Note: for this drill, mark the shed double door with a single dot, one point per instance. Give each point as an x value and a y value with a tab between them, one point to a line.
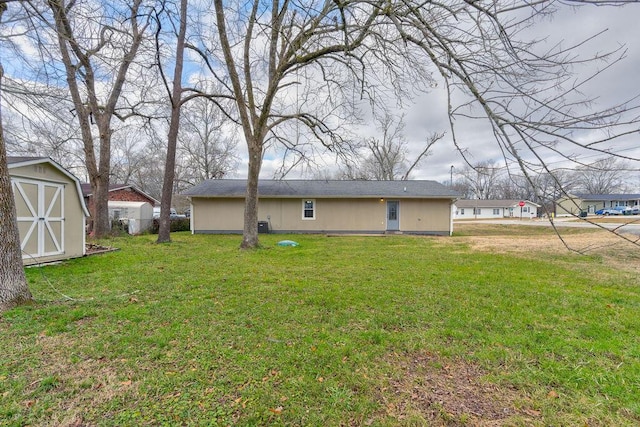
40	214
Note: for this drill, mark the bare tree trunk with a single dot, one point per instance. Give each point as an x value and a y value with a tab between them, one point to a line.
250	232
164	233
13	283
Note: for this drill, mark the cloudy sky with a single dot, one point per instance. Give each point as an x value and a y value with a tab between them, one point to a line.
427	114
570	25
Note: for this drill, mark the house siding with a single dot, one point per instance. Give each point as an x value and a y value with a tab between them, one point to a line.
339	215
572	207
486	210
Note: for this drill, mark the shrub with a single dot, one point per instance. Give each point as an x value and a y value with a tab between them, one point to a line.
177	224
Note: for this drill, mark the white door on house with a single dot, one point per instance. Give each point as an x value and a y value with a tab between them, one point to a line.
40	208
393	215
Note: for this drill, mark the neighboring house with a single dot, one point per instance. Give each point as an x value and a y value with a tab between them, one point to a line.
51	212
484	209
119	193
574	204
325	206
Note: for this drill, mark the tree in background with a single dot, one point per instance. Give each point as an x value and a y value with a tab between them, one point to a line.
387	157
207	147
89	48
44	126
480	181
604	176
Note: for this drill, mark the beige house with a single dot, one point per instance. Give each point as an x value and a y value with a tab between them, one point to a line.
574	204
50	210
325	206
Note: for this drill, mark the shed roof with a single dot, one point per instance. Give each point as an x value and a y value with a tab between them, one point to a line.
324	189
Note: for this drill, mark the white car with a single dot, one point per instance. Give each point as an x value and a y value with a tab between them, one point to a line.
156	212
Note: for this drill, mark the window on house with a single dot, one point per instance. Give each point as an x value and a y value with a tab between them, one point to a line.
525	209
461	211
477	211
496	211
308	209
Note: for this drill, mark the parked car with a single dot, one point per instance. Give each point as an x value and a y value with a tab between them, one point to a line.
631	210
621	209
172	213
608	211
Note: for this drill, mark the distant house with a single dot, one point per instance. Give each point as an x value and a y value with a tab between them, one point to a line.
119	193
325	206
486	209
50	209
574	204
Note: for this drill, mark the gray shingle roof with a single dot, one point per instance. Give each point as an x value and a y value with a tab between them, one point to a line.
323	188
608	196
22	159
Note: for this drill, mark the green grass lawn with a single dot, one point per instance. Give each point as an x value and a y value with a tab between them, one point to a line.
337	331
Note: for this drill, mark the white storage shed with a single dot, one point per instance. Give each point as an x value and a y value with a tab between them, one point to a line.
138	215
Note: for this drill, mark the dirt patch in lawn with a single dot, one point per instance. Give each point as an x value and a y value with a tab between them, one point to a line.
613	250
430	391
75	387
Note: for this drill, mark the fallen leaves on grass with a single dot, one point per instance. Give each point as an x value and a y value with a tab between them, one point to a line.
277	410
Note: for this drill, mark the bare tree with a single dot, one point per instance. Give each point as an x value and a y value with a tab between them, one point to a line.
128	154
207	147
44	126
96	46
270	55
604	176
482	179
526	90
13	283
387	157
